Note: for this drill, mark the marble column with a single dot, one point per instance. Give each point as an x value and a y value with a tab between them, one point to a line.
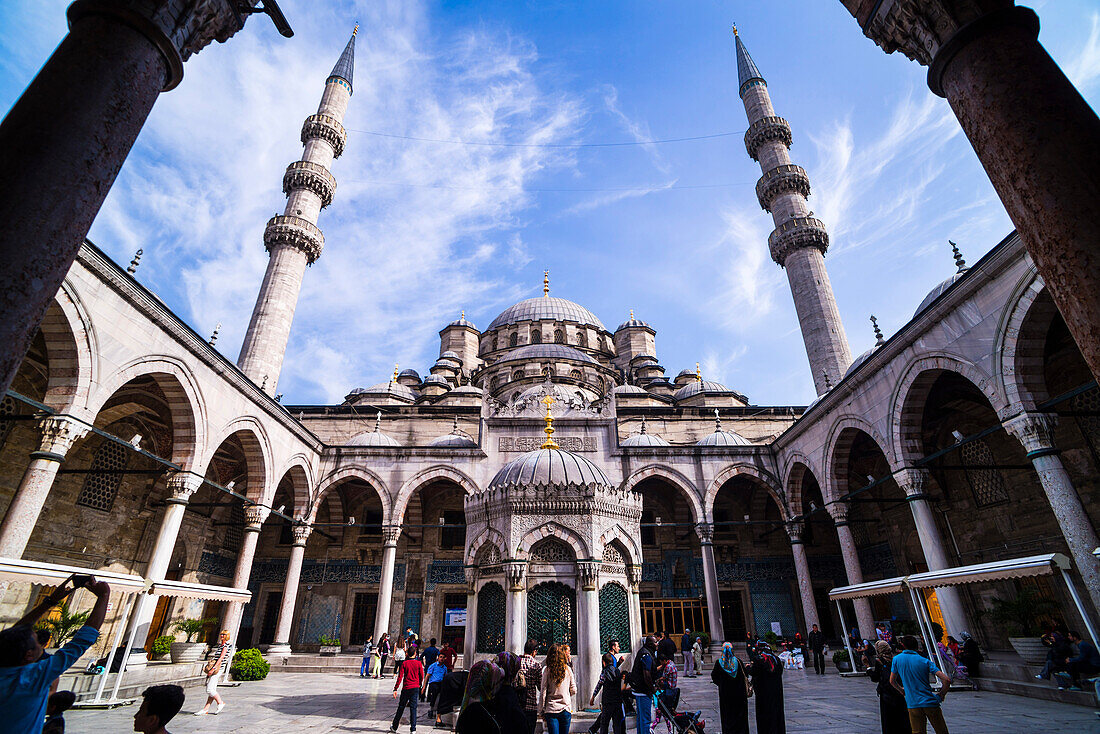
469	640
634	578
1033	132
515	619
589	643
913	482
717	631
1036	432
254	515
865	621
281	644
390	534
58	434
802	574
66	138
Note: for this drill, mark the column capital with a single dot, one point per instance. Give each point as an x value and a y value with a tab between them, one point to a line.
470	572
255	516
589	573
912	481
514	572
301	533
1035	431
58	434
705	531
181	485
634	576
795	529
390	534
838	511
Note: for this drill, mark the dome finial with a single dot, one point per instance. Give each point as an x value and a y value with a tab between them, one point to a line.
378	422
879	341
698	373
546	282
717	421
735	29
642	432
454	426
549	442
463	314
828	382
959	262
355	30
631	314
395	373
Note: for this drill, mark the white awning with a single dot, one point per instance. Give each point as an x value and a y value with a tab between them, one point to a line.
189	590
1015	568
36	572
870	588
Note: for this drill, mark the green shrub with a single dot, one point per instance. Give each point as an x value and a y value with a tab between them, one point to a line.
327	641
771	638
162	646
841	656
63	625
192	627
249	665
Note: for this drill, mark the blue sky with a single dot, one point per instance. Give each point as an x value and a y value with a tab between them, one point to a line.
420	230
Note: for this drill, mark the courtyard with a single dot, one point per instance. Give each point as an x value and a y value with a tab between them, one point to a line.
321	703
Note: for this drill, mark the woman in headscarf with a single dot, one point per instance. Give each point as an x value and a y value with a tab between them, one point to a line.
767	683
476	716
733	692
892	712
971	655
506	706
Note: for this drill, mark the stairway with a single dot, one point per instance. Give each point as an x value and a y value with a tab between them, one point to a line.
1006	672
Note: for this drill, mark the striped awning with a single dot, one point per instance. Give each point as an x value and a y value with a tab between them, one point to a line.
870	588
187	590
37	572
1042	565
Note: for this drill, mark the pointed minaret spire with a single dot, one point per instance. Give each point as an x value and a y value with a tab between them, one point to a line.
960	264
292	239
799	241
879	341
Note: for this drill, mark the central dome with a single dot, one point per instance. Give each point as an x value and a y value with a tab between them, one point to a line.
549	468
546	308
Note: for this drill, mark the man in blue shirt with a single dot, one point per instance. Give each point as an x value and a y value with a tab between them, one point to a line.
909	672
433	678
1085	664
26	675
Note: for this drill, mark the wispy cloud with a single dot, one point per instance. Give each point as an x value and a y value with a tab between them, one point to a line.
614	197
638	129
1084	70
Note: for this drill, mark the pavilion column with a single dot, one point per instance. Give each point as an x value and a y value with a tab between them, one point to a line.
515	619
255	515
59	433
1033	132
634	578
912	482
705	531
469	639
865	621
802	573
588	633
1036	432
281	644
66	137
390	534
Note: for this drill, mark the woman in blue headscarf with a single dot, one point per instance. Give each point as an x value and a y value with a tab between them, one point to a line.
733	692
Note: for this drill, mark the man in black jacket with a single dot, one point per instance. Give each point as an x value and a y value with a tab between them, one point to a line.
666	646
816	642
642	676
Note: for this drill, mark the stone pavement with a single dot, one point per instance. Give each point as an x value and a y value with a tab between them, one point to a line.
322	703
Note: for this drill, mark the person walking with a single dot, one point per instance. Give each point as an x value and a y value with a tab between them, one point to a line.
506	708
383	654
449	656
767	683
909	673
433	679
611	702
410	676
697	655
558	689
213	670
688	655
892	713
642	680
399	654
530	669
475	716
368	650
971	655
816	642
733	692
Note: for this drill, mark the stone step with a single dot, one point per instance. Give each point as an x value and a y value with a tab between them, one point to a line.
1036	689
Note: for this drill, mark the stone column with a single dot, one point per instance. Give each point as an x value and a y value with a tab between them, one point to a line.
255	516
705	531
66	137
865	621
59	433
634	577
469	643
1036	432
1032	131
515	620
802	573
281	643
912	482
588	632
390	534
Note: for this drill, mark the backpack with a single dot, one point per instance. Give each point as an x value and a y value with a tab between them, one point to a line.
637	679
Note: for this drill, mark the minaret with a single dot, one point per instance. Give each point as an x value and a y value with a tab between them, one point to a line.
293	239
799	241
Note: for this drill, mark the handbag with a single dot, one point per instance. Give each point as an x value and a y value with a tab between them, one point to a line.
748	687
211	667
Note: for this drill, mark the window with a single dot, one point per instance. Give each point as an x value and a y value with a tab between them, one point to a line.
363	611
559	336
101	484
453	534
372	523
517	375
234	530
513	340
575	374
649	532
536	337
8	408
986	481
582	338
496	341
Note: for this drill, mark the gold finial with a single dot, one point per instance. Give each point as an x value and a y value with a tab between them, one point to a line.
549	442
545	282
395	365
463	314
735	29
631	314
698	373
355	29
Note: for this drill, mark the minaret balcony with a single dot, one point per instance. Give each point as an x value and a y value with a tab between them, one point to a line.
766	130
326	128
295	232
785	179
795	234
312	176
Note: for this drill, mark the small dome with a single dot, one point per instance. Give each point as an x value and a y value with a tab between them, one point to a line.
860	360
937	292
449	355
722	438
685	373
409	373
467	390
563	394
533	352
436	380
395	389
632	323
546	308
461	321
628	390
455	439
699	386
644	438
549	468
375	437
659	384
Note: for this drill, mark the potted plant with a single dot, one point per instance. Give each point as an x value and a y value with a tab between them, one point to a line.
249	665
162	646
1021	616
329	645
62	625
842	661
188	651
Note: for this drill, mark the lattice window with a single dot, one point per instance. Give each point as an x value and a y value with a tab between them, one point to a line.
536	337
489	555
582	338
513	339
496	342
101	483
234	532
517	375
614	616
8	407
552	615
559	336
1086	411
551	550
611	554
575	374
490	618
986	481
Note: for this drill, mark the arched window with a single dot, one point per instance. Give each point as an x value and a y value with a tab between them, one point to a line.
517	375
582	338
614	616
494	383
536	336
552	615
513	340
559	336
490	618
552	550
575	374
233	533
101	483
496	341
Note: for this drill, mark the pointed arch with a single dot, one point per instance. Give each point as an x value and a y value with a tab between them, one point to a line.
257	453
673	477
618	533
344	474
69	347
425	476
553	530
1021	343
797	471
841	435
763	478
298	475
488	537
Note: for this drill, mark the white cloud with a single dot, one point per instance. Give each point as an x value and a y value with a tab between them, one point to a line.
1085	69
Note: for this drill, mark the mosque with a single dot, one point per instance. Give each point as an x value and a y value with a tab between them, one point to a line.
546	477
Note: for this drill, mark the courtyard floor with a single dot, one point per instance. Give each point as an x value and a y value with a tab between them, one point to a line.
331	702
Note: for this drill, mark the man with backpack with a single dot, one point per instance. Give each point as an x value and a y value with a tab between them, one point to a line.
641	683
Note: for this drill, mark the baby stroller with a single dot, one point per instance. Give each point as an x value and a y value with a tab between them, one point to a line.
665	703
